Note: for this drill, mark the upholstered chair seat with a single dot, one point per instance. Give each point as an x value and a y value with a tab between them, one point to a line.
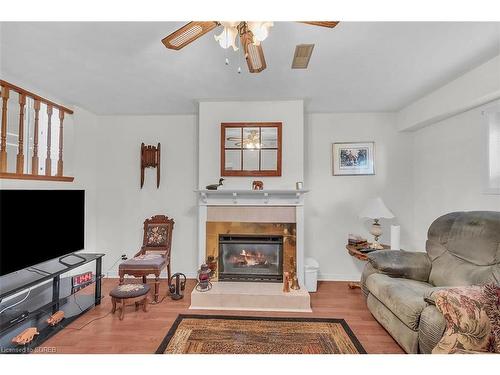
146	261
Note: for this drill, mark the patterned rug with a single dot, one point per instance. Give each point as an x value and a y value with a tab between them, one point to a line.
215	334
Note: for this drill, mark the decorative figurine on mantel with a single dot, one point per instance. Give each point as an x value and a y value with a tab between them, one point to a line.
204	283
293	275
286	282
212	264
215	186
257	185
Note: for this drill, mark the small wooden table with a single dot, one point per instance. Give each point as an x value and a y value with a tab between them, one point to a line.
353	251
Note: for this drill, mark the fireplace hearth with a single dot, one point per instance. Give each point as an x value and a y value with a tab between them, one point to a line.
250	258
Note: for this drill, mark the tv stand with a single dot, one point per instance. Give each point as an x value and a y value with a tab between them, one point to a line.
45	299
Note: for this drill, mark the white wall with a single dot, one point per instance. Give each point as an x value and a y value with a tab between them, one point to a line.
122	206
332	206
290	113
103	153
79	161
474	88
449	162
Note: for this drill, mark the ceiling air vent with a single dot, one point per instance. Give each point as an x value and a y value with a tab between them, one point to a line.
302	56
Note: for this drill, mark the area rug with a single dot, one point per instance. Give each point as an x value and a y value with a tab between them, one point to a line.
217	334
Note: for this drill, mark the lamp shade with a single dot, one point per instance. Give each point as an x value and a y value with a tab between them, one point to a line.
376	209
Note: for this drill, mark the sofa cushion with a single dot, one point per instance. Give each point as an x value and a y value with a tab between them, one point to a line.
468	324
464	248
404	336
448	270
404	297
399	263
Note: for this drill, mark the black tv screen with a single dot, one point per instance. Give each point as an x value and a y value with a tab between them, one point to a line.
38	225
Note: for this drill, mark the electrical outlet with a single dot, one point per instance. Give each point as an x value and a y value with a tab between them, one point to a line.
124	257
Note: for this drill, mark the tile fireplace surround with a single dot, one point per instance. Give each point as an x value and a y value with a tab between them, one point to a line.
248	213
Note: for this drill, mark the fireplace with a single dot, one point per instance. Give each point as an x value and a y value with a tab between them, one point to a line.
250	257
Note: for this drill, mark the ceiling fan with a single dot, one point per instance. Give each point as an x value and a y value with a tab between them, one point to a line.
251	34
252	140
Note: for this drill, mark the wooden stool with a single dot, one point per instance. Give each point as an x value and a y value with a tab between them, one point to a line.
128	293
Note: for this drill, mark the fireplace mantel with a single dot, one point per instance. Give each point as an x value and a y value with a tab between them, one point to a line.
293	199
251	197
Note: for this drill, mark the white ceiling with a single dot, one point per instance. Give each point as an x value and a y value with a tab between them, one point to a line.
123	68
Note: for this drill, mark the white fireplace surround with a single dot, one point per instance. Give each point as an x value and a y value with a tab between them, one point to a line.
253	198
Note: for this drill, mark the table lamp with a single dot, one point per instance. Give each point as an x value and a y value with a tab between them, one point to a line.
376	210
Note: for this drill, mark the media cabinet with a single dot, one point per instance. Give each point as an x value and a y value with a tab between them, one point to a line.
50	290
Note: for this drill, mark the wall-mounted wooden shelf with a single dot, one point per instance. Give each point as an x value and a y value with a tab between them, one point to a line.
18	176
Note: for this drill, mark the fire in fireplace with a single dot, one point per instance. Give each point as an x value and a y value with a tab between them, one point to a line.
250	258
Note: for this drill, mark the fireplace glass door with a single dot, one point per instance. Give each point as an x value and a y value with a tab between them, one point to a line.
250	258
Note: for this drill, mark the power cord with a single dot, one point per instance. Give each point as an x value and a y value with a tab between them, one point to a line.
90	321
157	303
74	299
121	257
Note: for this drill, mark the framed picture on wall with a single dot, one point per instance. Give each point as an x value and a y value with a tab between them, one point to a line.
353	158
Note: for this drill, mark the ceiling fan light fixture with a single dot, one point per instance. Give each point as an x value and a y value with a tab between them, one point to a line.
260	30
255	57
228	36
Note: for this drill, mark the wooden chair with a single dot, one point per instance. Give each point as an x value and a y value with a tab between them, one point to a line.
154	254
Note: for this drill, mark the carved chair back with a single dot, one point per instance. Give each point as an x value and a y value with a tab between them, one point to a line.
158	235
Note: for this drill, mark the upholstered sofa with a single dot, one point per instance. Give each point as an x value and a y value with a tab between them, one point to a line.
463	248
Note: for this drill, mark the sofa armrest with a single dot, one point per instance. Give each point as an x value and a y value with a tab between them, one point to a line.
429	295
397	263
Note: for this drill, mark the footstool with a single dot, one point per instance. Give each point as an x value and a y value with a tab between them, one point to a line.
128	293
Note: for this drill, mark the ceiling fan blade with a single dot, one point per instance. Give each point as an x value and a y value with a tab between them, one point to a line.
330	24
254	54
188	33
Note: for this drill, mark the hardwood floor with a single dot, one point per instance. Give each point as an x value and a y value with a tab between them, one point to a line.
142	332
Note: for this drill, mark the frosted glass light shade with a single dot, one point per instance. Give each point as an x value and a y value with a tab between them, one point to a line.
228	36
260	30
376	209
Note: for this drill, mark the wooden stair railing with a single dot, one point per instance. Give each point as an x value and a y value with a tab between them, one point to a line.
48	160
6	89
34	158
3	136
20	152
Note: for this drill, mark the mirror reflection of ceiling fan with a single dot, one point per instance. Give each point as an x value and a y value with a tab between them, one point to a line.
251	34
251	141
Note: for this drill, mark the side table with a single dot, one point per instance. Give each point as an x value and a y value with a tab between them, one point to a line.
354	252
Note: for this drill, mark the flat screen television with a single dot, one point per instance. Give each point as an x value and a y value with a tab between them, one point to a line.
39	225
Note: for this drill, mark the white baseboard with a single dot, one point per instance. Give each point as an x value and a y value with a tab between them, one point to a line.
337	277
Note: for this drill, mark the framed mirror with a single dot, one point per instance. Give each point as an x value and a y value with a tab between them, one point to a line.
251	149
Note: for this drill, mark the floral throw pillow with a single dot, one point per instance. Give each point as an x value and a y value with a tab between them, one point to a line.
156	236
472	319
